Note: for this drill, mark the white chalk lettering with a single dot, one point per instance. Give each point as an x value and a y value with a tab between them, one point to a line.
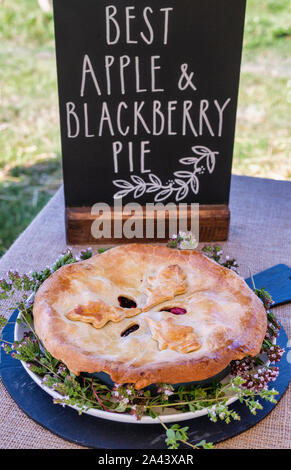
109	60
87	134
155	67
138	117
220	112
111	11
166	23
105	117
204	105
119	127
157	113
128	20
70	107
124	62
144	150
149	26
88	69
137	77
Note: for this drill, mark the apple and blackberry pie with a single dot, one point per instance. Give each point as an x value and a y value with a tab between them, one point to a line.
148	314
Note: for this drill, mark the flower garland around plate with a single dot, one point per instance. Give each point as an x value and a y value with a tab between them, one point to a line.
249	377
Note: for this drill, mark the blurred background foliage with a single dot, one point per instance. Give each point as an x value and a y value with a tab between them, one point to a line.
30	162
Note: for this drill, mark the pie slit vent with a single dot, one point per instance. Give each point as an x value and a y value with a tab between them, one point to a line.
130	329
175	310
125	302
148	314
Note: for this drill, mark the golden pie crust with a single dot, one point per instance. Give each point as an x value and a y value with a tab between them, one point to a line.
78	317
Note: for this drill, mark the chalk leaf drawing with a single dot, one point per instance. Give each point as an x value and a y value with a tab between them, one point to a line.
181	184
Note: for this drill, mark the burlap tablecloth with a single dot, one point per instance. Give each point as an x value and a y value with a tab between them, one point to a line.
260	236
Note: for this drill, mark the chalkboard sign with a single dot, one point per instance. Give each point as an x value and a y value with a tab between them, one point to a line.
148	96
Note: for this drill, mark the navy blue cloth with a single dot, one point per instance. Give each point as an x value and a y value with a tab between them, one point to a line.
277	281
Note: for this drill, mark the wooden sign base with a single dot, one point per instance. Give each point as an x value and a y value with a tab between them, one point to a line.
213	225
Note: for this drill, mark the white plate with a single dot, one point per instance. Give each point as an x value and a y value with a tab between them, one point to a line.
168	417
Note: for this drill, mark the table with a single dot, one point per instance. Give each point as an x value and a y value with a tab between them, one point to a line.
260	236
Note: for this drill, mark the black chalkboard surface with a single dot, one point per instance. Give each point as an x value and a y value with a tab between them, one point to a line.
148	95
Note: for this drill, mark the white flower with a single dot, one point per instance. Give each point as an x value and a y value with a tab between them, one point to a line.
182	234
188	241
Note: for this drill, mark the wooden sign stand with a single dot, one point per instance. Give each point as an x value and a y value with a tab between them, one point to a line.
148	98
214	223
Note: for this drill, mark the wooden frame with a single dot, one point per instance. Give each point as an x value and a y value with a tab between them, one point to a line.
214	223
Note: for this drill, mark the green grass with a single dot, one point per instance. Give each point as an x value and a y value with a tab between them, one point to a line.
22	23
263	134
30	166
268	26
